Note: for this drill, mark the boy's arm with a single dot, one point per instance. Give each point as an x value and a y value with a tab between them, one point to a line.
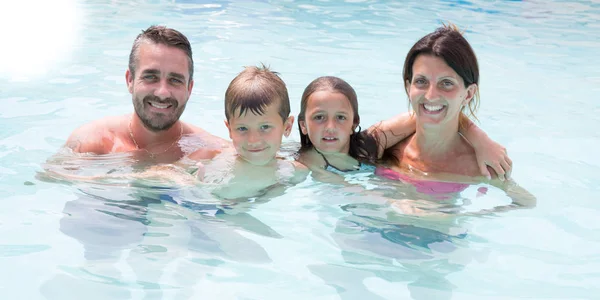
391	131
488	152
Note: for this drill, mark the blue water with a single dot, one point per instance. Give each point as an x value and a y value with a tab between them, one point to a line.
63	64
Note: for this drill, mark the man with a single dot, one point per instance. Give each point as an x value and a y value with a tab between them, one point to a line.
160	80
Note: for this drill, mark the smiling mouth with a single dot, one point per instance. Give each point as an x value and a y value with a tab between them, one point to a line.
256	150
159	105
330	139
433	109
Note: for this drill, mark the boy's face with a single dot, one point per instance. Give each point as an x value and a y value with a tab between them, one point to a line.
257	138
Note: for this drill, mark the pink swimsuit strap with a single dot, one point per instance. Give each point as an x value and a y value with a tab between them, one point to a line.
423	186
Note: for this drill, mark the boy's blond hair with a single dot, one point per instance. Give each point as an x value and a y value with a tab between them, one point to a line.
253	90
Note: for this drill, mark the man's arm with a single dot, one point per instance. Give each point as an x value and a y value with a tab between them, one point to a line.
87	139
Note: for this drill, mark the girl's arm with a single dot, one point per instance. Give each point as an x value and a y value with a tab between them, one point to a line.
390	132
488	152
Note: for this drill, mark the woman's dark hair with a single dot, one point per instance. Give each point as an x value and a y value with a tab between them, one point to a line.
448	43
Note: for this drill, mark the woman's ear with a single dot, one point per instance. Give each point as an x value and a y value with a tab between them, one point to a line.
471	92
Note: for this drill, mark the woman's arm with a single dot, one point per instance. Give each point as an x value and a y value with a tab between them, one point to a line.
520	196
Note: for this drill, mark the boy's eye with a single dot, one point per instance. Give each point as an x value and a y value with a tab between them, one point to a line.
242	129
265	127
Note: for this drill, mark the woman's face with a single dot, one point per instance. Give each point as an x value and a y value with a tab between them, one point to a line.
436	92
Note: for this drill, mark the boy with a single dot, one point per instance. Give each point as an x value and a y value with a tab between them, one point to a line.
257	109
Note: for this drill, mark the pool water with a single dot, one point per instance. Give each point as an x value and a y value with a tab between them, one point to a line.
117	240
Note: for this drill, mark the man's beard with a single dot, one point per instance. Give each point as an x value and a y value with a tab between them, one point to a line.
158	122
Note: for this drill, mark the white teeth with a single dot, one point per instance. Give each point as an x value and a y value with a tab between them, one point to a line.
329	139
430	107
157	105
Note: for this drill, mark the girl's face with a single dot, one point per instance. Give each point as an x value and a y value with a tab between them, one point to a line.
329	121
436	92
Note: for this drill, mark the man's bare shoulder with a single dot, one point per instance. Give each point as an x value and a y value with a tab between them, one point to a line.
97	136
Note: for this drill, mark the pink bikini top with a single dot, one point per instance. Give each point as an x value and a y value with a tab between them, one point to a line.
423	186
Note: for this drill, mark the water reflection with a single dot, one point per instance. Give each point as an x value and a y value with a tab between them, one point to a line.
379	243
148	238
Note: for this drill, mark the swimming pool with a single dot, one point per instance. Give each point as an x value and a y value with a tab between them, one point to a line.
317	241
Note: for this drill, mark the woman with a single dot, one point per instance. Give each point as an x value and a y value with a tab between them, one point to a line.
441	78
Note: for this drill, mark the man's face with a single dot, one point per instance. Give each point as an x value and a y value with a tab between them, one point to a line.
161	85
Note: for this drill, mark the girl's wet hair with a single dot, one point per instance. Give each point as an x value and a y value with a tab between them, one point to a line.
254	89
363	146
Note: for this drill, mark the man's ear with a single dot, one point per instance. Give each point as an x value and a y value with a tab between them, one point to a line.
190	87
287	126
303	128
228	128
129	79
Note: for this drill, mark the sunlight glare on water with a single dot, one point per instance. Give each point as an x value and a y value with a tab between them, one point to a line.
38	34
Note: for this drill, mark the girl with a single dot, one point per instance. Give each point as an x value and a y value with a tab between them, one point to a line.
328	123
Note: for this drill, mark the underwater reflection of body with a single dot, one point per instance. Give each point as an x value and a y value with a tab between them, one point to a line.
146	243
110	223
379	243
142	236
